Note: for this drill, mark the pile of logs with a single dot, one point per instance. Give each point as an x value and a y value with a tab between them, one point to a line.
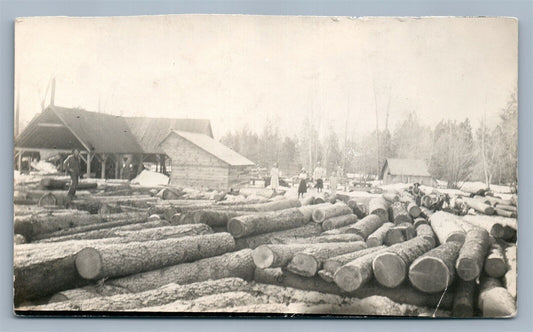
158	252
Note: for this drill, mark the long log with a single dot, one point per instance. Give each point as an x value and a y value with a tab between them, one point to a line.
165	232
472	255
339	221
214	218
479	206
87	292
447	227
279	255
308	210
331	265
494	300
274	206
135	257
163	295
104	233
390	267
434	271
505	213
425	231
378	236
495	200
237	264
321	214
494	228
317	239
366	226
380	207
164	211
34	225
254	241
401	294
495	265
509	279
62	184
463	302
400	214
307	263
265	222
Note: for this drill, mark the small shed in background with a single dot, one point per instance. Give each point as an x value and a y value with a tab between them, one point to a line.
406	171
199	161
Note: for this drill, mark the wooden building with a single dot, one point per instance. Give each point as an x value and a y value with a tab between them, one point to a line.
406	171
199	161
107	142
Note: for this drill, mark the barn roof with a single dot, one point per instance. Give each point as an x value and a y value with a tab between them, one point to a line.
151	131
413	167
214	148
67	128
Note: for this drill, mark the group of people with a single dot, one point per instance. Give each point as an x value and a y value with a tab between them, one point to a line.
319	176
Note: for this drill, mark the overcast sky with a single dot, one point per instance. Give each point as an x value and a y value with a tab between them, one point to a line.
238	70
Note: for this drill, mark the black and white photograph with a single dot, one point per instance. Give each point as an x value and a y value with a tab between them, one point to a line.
280	166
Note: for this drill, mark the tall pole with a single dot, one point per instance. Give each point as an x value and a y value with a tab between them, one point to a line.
377	131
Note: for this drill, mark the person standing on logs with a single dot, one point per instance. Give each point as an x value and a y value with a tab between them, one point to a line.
318	176
71	165
302	188
274	177
417	193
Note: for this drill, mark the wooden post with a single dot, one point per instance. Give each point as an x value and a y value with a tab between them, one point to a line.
89	159
117	166
102	173
20	161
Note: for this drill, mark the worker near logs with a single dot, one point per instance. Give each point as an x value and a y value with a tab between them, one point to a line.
71	165
302	188
274	177
416	192
319	175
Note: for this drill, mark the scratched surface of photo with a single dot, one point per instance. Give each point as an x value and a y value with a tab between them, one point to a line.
266	166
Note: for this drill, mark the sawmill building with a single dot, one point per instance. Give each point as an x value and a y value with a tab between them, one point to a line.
406	171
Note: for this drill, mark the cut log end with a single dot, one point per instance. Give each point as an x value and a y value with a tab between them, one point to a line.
429	274
348	278
495	268
457	237
58	298
263	257
467	269
89	263
236	228
304	265
319	216
389	269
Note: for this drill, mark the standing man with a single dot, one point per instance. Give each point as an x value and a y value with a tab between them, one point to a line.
274	177
319	175
72	166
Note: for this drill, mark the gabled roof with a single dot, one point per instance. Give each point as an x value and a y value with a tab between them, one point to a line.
213	147
413	167
151	131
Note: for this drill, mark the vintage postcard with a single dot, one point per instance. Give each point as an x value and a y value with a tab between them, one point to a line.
266	165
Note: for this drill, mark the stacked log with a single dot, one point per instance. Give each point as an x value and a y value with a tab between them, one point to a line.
479	206
265	222
331	265
317	239
425	231
390	267
255	241
434	271
399	233
472	254
495	265
494	300
357	209
87	292
494	228
463	302
447	227
419	221
339	221
279	255
135	257
380	207
400	214
509	279
307	263
366	226
238	264
321	214
377	238
214	218
273	206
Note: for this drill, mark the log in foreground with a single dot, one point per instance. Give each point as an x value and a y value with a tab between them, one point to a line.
307	263
163	295
366	226
298	233
494	300
87	292
419	221
339	221
399	233
401	294
479	206
447	227
434	271
323	213
378	237
509	279
331	265
380	207
494	228
135	257
495	265
472	255
215	218
463	302
390	267
237	264
356	208
400	214
265	222
279	255
275	206
317	239
425	231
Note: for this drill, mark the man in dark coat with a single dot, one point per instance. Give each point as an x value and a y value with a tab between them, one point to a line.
71	165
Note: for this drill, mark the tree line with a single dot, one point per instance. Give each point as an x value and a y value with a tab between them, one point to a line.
453	151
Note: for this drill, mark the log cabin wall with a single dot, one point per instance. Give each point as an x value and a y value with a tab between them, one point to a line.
194	167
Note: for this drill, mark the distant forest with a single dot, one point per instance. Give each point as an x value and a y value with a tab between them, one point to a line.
453	151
